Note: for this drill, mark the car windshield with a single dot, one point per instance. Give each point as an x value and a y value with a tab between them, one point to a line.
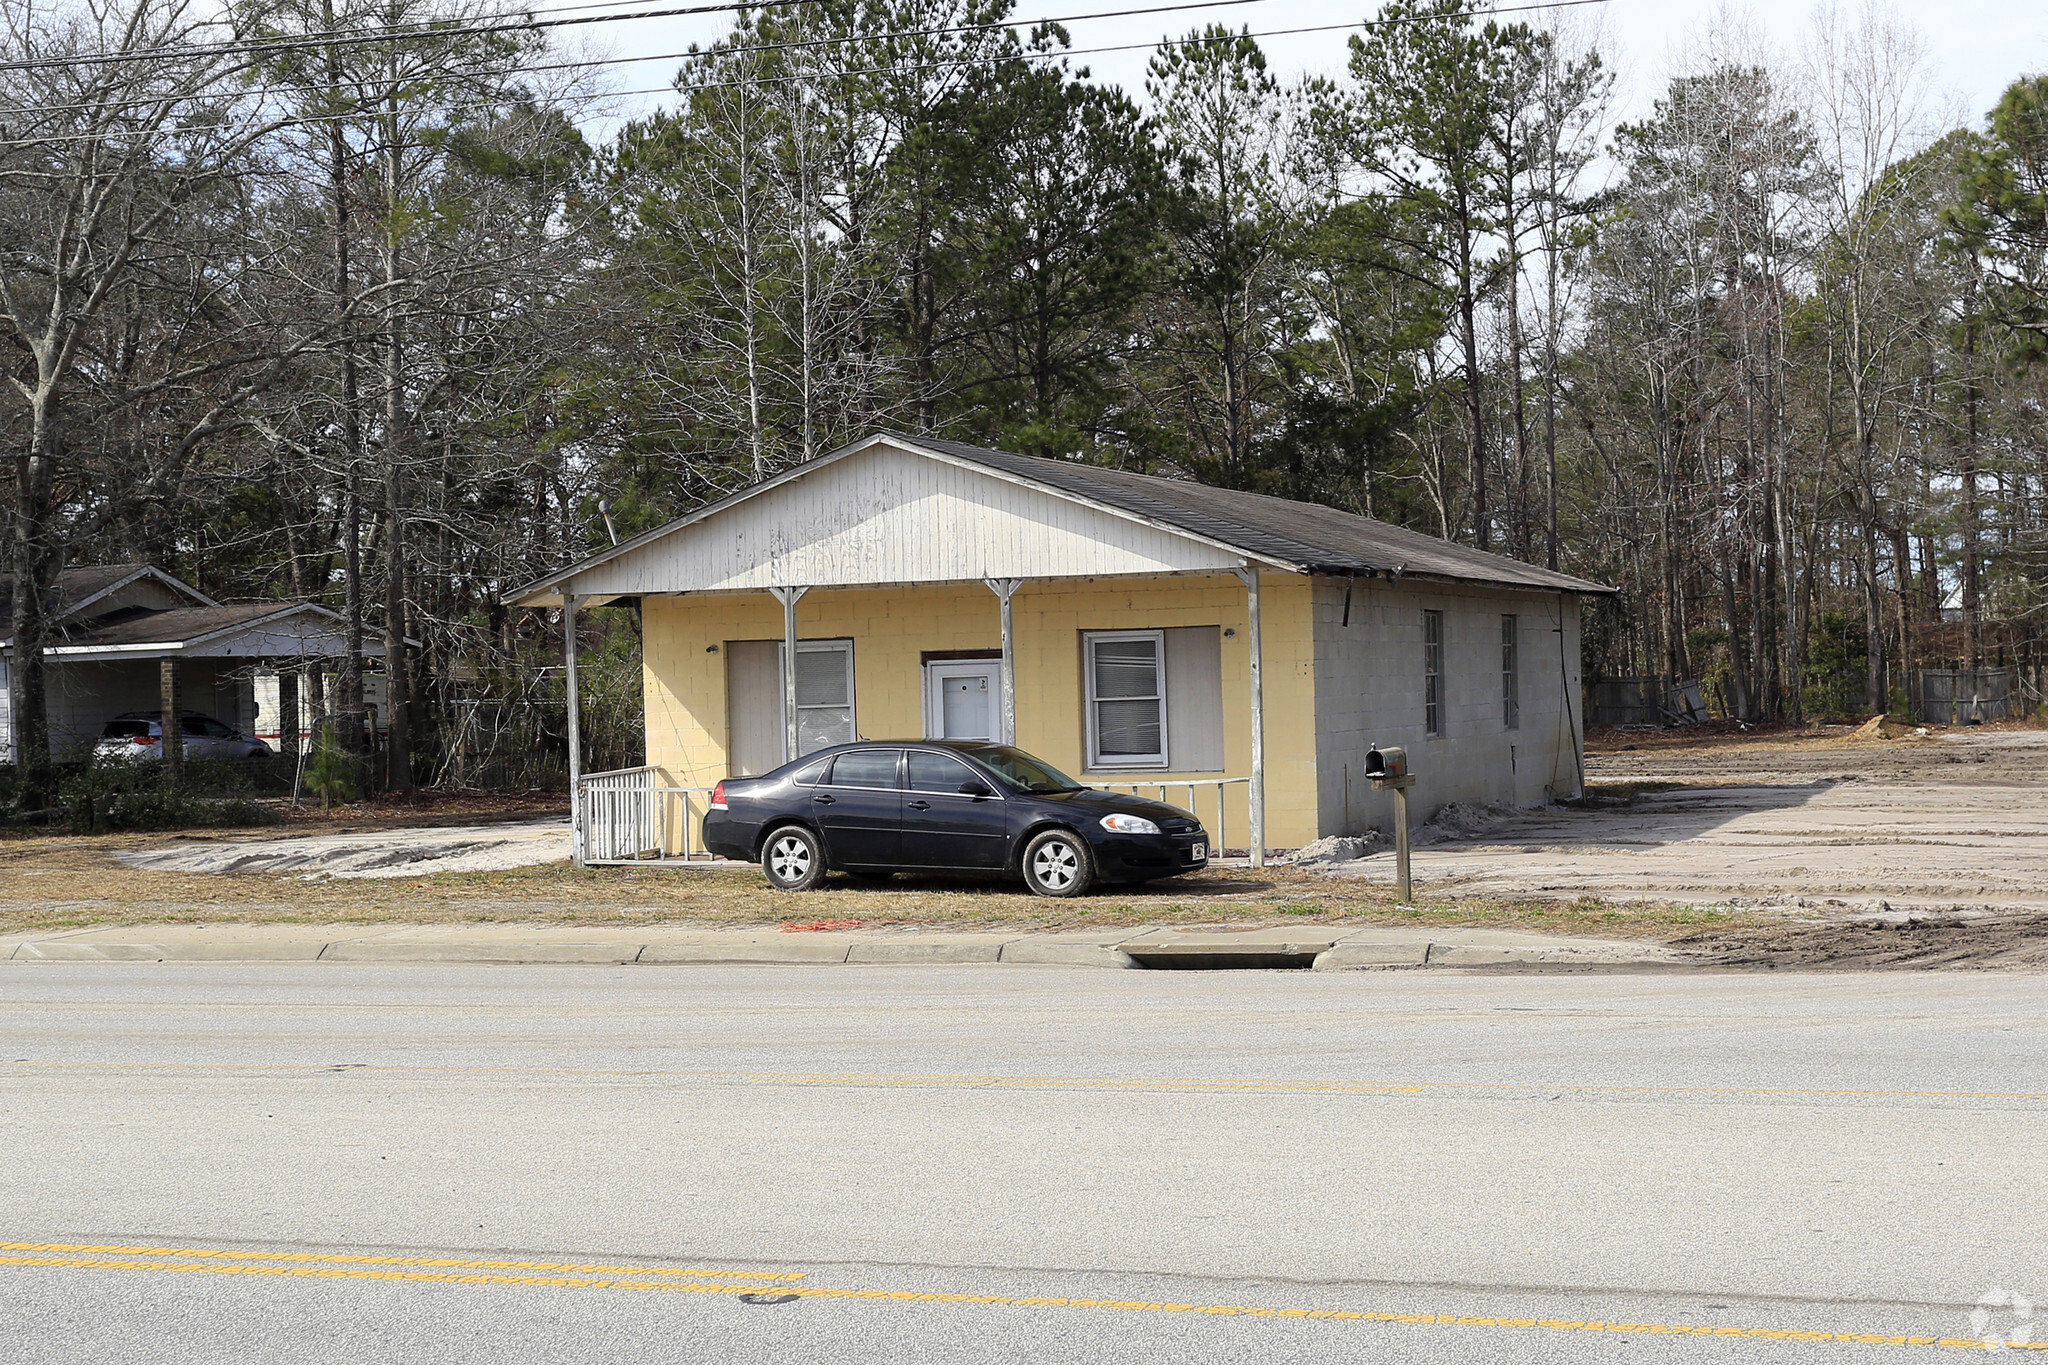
125	729
1025	771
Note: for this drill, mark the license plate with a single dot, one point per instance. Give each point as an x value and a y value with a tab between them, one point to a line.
1198	853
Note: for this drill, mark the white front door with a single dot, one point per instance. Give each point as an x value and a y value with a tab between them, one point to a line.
962	699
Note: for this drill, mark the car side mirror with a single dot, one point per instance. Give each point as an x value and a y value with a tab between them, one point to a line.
973	788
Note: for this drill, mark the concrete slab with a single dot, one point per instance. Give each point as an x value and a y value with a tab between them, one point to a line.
929	949
1559	954
709	948
530	950
175	943
1347	956
1065	952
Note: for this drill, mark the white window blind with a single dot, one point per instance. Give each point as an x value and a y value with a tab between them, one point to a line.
1125	673
824	694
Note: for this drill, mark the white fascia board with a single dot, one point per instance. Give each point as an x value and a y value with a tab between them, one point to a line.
80	651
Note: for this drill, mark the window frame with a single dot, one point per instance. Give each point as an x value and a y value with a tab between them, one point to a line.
910	756
842	644
832	774
1510	672
1432	673
1097	762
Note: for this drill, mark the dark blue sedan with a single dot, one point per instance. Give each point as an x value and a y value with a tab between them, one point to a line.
881	807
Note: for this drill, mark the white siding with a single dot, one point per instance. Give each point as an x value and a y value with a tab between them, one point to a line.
1369	690
887	516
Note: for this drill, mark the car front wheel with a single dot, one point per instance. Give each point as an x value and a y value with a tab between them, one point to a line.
1058	863
793	859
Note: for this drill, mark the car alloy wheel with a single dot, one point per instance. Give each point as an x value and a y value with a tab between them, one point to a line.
1058	864
792	859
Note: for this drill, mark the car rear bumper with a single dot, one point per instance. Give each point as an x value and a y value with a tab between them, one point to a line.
727	837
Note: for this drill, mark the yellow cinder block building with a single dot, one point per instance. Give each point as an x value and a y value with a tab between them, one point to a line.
1237	654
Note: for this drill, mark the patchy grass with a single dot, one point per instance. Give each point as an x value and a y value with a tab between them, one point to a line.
73	882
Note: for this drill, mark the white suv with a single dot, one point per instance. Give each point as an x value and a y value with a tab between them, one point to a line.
138	736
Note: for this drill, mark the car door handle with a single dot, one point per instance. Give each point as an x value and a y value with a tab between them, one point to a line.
920	805
823	800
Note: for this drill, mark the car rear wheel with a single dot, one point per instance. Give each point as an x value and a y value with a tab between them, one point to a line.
1058	863
793	859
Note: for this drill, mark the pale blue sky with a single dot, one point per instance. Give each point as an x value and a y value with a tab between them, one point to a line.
1974	48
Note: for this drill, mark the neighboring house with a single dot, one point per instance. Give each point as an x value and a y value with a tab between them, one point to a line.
907	586
125	635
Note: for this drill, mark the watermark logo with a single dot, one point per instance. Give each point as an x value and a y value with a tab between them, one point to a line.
2003	1319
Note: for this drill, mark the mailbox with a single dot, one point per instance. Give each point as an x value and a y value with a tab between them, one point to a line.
1384	764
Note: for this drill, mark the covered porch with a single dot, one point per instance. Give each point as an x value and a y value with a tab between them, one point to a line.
1161	683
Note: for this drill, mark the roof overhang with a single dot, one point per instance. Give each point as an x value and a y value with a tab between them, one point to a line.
549	591
291	630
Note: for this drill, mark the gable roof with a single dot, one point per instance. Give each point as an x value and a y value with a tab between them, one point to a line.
83	585
1315	538
1297	536
243	630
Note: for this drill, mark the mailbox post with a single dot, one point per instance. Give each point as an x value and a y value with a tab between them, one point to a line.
1388	769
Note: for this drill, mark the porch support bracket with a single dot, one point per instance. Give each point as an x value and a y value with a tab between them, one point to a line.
1248	574
1005	589
789	597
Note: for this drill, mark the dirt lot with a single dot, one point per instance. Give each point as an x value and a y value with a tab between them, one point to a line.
1803	848
1953	821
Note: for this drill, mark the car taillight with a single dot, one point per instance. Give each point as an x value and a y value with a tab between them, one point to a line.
718	797
145	739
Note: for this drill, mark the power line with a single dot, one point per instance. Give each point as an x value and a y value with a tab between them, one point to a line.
312	120
586	63
348	38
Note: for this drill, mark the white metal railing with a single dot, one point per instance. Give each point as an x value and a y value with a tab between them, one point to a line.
1218	842
631	815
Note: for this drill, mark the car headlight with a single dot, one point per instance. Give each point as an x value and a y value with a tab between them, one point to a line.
1128	824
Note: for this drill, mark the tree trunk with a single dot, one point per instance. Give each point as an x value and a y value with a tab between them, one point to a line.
397	448
34	562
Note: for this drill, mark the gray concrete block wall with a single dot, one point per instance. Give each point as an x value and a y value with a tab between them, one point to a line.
1369	689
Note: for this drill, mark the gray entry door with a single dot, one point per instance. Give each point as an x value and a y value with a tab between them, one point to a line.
962	698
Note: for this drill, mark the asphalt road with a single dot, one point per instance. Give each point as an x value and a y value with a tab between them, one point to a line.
361	1164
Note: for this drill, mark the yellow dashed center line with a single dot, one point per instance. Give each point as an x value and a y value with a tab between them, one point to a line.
972	1082
204	1261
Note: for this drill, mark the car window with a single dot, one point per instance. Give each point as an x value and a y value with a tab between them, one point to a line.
1027	772
866	768
124	729
205	728
939	773
809	774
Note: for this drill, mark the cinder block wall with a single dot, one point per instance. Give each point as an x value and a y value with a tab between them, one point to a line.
892	627
1369	689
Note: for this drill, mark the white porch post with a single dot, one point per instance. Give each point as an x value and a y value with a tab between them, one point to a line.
789	597
576	845
1249	576
1005	589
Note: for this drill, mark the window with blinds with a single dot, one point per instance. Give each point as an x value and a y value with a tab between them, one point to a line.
1126	696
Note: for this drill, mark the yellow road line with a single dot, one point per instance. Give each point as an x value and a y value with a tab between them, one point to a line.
1056	1082
339	1259
203	1267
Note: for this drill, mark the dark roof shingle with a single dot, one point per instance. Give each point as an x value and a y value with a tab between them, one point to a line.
1320	539
175	626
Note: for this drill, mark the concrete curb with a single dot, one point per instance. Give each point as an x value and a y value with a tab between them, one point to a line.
1326	948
